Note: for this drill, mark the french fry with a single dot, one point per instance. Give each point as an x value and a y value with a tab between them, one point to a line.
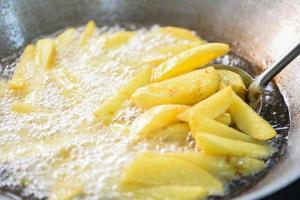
88	31
199	123
211	107
66	37
216	145
45	52
174	133
180	33
189	60
229	78
117	39
154	119
112	105
186	89
247	120
160	170
23	108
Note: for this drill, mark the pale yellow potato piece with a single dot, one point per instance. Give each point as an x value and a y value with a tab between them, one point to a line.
179	33
23	108
229	78
200	123
112	105
247	166
211	107
159	170
224	118
19	80
156	118
247	120
66	37
213	144
189	60
87	33
45	52
186	89
117	39
174	133
216	165
169	192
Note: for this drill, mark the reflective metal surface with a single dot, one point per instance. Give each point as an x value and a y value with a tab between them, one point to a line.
257	30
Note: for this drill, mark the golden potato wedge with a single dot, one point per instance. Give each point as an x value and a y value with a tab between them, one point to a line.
211	107
117	39
174	133
174	192
88	31
224	118
23	108
45	52
23	69
229	78
199	123
246	166
179	33
159	170
216	165
112	105
186	89
214	144
156	118
66	37
189	60
247	120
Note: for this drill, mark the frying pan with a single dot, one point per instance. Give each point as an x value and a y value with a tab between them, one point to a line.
259	31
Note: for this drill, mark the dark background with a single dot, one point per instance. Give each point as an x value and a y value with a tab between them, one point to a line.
291	192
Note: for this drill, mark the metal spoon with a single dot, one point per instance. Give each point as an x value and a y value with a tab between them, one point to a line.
255	86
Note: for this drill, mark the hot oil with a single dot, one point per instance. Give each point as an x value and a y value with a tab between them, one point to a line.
96	155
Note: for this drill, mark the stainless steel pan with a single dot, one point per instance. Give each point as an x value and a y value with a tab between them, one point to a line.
257	30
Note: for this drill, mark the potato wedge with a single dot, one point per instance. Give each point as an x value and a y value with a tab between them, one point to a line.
117	39
199	123
211	107
156	118
229	78
45	52
247	120
174	133
65	38
174	192
186	89
23	69
112	105
189	60
214	144
224	118
179	33
23	108
88	31
247	166
216	165
159	170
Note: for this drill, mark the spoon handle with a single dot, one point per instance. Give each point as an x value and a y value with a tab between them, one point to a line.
264	78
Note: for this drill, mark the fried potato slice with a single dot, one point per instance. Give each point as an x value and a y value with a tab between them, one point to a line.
112	105
229	78
117	39
186	89
200	123
247	166
88	31
156	118
189	60
160	170
174	192
23	108
224	118
174	133
214	144
179	33
45	52
247	120
211	107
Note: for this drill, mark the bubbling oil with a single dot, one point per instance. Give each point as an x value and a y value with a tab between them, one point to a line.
64	140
